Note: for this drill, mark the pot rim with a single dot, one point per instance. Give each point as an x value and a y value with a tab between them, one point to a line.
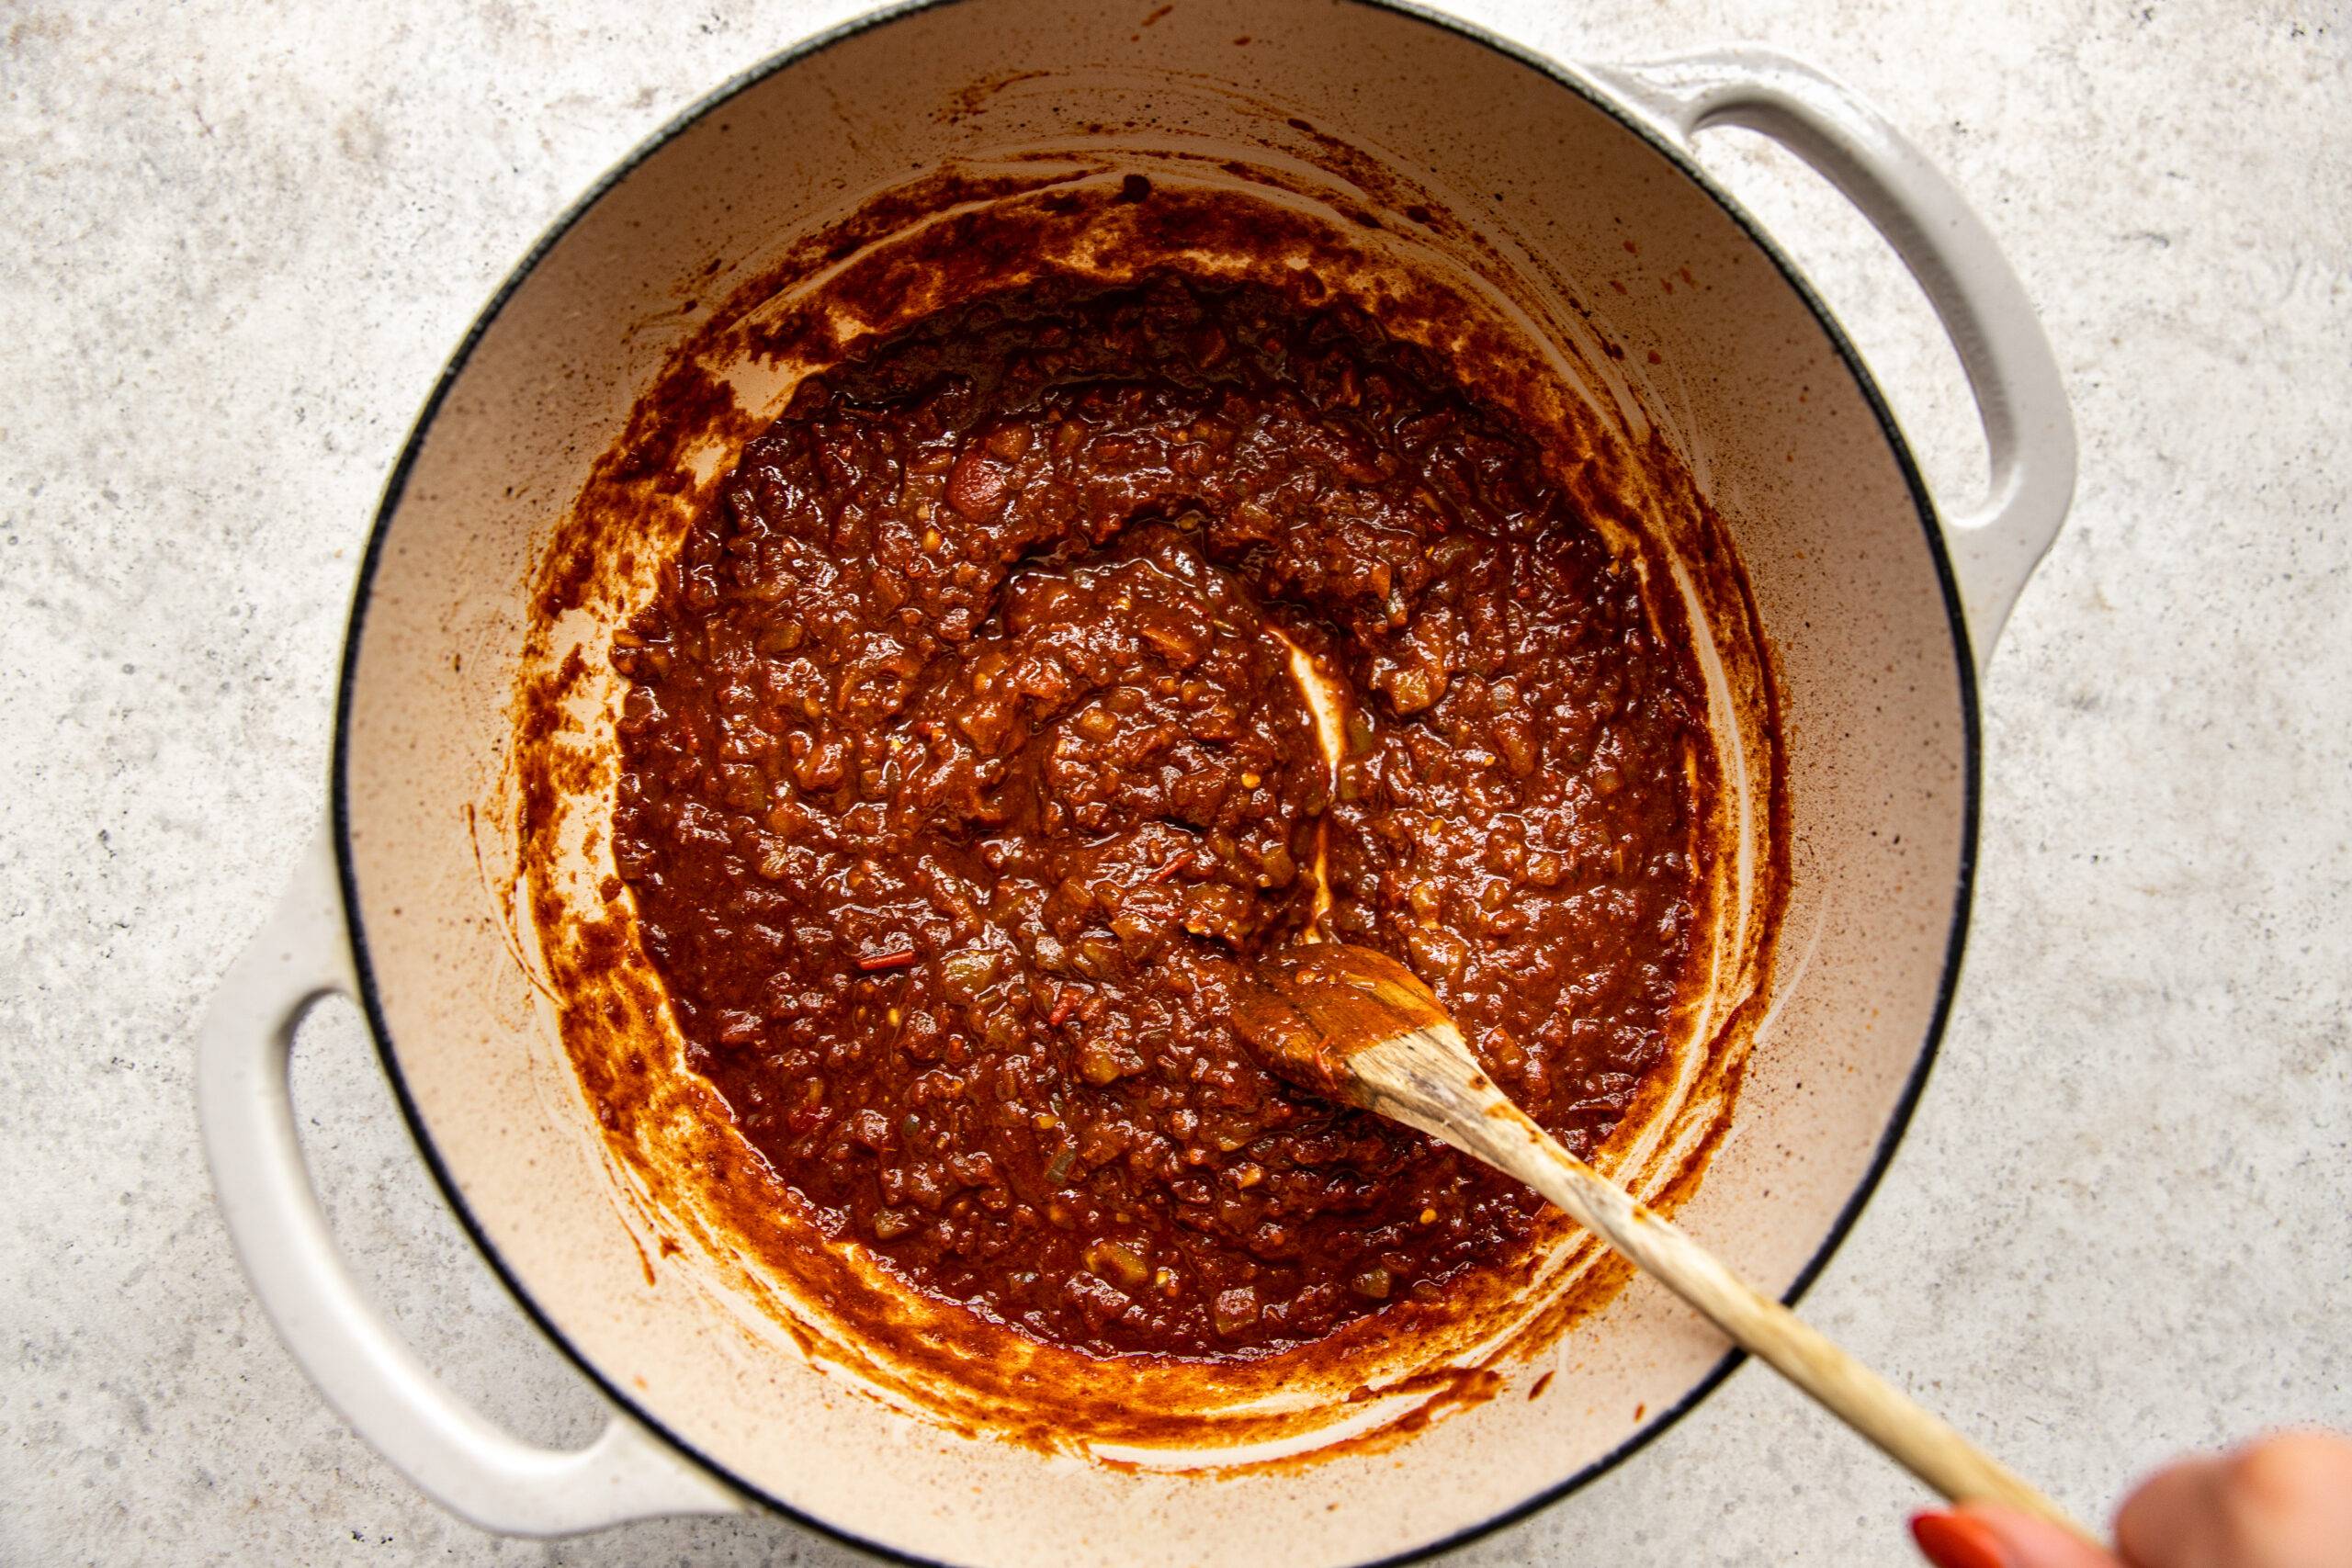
1563	76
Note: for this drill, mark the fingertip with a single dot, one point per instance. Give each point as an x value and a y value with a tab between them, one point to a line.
1950	1540
2025	1541
2175	1503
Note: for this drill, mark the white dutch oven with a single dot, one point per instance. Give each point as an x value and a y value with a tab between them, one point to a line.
1879	613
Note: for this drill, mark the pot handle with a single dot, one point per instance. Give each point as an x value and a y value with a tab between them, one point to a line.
2020	394
456	1456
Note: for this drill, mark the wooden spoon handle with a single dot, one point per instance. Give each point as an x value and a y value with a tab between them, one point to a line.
1913	1437
1355	1025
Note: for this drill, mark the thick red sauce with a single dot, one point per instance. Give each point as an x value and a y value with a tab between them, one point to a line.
965	775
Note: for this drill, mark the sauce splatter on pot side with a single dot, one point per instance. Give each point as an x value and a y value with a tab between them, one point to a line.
738	818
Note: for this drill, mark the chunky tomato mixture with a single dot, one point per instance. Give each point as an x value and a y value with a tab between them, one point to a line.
967	768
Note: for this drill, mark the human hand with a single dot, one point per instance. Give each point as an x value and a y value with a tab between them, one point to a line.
2284	1501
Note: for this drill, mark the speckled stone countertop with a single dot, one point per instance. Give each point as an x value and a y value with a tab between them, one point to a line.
237	241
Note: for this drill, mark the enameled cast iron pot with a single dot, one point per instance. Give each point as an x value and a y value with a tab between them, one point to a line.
1879	613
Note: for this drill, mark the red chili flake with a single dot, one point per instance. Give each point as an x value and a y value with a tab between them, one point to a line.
896	959
1065	1004
1169	870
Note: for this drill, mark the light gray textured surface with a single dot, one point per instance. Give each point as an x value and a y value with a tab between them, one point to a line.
236	242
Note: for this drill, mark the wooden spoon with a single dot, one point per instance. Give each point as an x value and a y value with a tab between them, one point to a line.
1357	1027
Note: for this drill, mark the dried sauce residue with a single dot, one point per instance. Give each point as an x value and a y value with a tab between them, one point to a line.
782	1021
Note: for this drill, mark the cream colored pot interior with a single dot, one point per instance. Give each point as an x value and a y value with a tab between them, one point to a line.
1677	321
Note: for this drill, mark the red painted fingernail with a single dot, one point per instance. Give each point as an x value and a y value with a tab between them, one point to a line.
1955	1540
